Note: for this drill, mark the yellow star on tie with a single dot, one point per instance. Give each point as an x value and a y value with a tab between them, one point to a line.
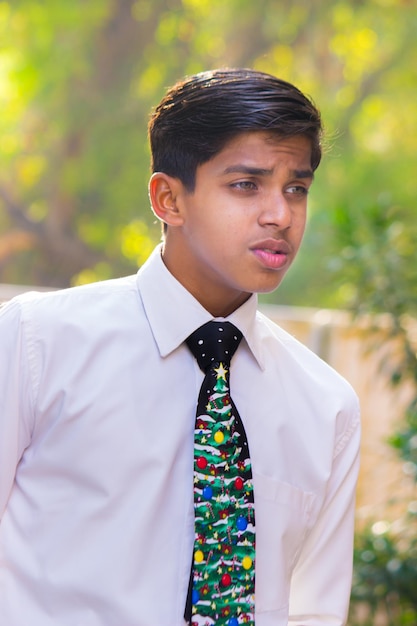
221	371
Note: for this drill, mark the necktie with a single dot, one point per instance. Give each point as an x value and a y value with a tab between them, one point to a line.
222	579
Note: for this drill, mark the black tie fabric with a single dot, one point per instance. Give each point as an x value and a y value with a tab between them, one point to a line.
222	581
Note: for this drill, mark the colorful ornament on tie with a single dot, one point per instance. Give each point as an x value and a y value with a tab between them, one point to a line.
223	577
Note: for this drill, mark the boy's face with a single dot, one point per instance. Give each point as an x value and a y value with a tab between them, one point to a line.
240	229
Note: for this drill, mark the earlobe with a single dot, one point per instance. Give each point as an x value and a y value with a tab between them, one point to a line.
163	195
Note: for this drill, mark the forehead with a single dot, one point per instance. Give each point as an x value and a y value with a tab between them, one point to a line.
263	149
271	139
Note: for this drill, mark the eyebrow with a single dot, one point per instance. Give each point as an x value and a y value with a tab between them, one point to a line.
260	171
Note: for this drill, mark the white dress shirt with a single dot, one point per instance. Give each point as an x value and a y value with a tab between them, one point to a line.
97	404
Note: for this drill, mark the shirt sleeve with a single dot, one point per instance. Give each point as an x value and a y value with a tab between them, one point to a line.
15	396
321	582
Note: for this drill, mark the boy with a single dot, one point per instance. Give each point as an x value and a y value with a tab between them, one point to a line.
98	390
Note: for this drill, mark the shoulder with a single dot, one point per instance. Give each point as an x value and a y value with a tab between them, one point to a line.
71	315
72	328
65	302
299	363
319	396
277	341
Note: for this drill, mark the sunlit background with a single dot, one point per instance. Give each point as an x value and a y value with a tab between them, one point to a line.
77	82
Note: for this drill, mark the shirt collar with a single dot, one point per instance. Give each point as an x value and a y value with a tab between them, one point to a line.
173	313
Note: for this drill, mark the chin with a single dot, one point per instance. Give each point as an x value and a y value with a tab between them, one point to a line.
270	287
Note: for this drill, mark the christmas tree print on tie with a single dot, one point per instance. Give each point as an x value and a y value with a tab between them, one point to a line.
224	556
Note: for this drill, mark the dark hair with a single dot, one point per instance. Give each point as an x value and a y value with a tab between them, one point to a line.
200	114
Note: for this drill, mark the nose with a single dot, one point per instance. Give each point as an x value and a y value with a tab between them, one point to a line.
275	211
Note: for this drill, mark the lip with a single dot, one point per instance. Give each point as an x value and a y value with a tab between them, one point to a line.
272	253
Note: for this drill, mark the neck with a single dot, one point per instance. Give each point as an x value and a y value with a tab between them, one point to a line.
218	299
223	309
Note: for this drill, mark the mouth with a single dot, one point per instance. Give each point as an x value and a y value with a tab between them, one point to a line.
272	253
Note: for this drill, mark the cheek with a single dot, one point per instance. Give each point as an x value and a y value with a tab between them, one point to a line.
299	224
236	220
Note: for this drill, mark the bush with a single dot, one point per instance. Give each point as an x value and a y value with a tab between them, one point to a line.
385	574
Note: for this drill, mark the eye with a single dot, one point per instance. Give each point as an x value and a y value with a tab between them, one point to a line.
244	185
298	190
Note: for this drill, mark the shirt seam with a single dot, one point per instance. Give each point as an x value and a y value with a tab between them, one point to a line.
346	436
28	334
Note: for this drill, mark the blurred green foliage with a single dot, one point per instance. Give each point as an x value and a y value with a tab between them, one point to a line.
384	588
384	585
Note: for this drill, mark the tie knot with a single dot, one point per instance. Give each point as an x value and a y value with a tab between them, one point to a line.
214	342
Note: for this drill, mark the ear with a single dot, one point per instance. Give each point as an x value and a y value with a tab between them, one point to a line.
163	194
